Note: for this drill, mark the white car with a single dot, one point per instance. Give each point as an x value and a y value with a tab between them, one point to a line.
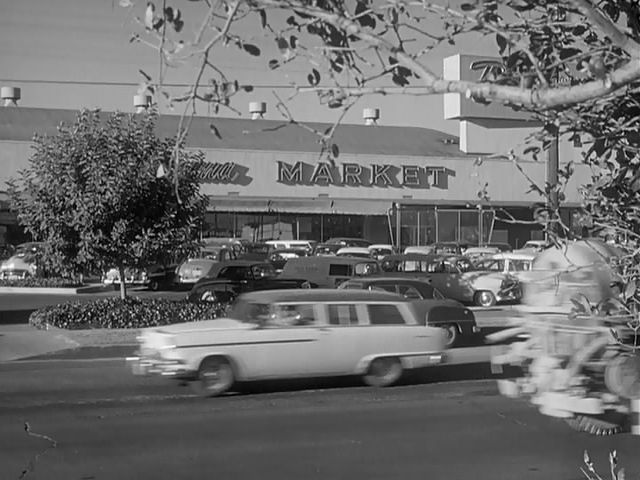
420	249
511	263
23	262
295	333
381	250
360	252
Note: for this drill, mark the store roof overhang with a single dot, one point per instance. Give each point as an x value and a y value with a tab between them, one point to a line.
307	205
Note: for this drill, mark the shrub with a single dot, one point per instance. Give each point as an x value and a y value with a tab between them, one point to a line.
123	313
50	282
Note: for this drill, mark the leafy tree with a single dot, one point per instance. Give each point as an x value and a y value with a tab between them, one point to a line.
96	193
573	64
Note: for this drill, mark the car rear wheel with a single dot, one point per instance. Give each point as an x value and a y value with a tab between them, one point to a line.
484	298
215	377
383	372
452	335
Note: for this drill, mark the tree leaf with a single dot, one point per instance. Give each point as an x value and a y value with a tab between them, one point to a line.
335	151
282	43
251	49
314	77
215	131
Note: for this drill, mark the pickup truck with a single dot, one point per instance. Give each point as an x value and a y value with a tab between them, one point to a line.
229	279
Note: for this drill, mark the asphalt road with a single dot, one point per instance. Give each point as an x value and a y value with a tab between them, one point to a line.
108	424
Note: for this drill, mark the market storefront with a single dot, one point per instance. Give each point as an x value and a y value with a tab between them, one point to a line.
388	184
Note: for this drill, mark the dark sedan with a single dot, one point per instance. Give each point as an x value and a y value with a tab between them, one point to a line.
455	318
227	280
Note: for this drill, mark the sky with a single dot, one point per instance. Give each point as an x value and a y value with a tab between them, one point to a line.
77	54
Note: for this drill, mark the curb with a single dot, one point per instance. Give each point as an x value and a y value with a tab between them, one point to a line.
99	288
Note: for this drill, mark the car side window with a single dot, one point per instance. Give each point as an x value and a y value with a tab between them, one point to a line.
385	314
386	287
339	269
344	315
296	315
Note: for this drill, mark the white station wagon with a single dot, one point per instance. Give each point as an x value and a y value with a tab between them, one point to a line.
293	334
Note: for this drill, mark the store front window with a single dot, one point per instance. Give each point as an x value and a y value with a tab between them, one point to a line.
258	227
424	225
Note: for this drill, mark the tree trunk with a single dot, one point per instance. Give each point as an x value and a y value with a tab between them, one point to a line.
123	283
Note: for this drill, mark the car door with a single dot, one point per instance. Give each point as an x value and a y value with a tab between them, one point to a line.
287	345
357	331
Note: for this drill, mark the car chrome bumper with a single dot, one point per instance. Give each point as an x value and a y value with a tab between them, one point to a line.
165	368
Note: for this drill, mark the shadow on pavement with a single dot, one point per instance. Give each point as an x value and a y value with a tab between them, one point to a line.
449	373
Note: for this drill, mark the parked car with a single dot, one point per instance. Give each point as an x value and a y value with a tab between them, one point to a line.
478	253
325	249
455	248
278	258
329	271
23	263
457	320
193	269
294	334
286	244
456	278
381	250
227	280
348	242
255	251
420	249
502	246
360	252
535	245
513	263
155	277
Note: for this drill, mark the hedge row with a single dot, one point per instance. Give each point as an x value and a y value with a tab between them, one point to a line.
54	282
131	312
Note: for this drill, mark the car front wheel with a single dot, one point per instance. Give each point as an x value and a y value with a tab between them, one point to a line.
215	377
452	335
383	372
484	298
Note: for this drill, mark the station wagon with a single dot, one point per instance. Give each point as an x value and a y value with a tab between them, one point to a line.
293	334
329	271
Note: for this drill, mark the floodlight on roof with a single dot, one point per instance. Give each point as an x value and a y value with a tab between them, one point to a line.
10	96
371	116
257	110
141	103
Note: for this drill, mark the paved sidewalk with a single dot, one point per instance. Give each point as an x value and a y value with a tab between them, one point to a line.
18	342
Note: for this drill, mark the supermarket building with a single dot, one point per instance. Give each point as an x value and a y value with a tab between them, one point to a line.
268	179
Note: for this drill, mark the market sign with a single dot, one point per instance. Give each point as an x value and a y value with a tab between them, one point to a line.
217	172
356	175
